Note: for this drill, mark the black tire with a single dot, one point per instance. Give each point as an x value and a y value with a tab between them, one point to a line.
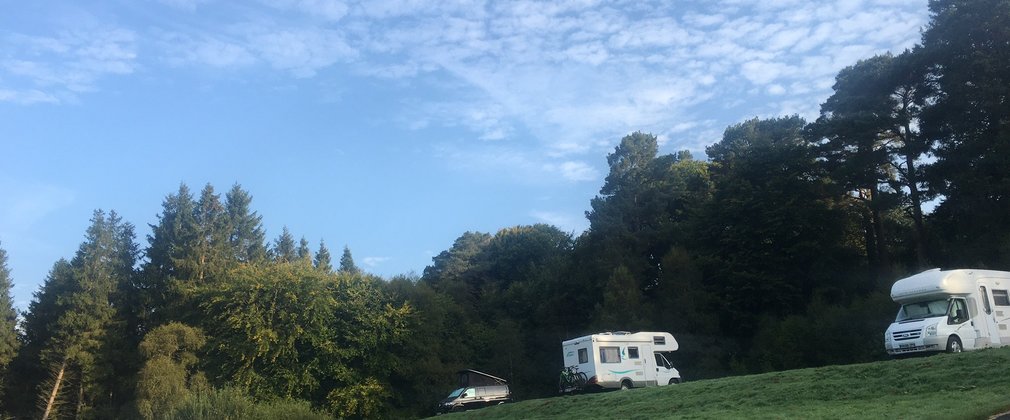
954	345
626	384
674	381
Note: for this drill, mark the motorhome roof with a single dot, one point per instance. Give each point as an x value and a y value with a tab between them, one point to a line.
938	282
668	341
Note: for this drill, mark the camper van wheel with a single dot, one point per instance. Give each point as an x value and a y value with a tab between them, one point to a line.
625	384
954	345
674	381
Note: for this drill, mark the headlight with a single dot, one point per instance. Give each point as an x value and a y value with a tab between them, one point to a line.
887	337
931	330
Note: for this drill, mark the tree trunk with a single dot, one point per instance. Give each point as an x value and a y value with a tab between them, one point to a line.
883	262
913	193
56	390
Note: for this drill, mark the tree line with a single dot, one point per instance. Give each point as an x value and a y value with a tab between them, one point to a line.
776	252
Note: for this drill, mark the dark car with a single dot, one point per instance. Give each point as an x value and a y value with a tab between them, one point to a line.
477	390
475	397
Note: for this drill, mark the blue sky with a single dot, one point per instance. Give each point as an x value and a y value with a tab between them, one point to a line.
391	127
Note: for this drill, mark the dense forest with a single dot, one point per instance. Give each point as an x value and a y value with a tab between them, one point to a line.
776	252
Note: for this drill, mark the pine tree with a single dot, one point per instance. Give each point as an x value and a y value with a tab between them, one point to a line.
304	254
8	320
167	245
247	237
210	252
347	263
284	247
82	342
322	260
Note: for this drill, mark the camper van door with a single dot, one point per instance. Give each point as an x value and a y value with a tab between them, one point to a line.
995	309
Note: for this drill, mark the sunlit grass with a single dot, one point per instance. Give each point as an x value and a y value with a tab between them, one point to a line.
963	386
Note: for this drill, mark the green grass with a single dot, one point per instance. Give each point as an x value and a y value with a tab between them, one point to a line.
971	385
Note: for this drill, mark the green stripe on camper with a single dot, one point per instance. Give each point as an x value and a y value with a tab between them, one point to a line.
622	372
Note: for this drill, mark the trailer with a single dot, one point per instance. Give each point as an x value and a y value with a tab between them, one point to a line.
618	360
950	310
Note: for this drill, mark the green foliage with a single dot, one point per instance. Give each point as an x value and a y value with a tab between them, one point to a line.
290	331
233	403
774	231
247	237
322	259
966	47
167	378
347	263
283	250
8	318
362	400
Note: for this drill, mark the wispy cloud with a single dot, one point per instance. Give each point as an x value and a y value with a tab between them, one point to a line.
46	68
568	222
373	262
574	75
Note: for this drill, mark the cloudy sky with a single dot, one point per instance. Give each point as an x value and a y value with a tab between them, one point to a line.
391	127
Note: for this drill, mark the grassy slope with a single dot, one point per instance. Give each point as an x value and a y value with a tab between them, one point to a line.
960	386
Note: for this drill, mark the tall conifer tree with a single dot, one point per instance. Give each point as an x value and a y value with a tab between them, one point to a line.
322	260
284	247
247	237
347	262
8	320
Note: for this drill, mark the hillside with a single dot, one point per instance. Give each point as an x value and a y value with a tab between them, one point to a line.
962	386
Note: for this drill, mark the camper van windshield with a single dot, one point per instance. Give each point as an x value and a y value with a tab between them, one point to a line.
455	393
920	310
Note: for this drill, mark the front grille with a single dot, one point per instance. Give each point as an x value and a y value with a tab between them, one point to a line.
906	335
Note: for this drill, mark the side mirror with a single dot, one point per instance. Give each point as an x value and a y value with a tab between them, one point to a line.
463	396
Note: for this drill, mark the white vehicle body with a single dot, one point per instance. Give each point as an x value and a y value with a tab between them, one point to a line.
621	359
951	310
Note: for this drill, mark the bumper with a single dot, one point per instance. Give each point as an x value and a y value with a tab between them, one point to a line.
920	345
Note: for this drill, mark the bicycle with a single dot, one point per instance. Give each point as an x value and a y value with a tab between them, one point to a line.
571	380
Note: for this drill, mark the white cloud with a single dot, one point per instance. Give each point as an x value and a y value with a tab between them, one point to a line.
187	5
68	63
578	171
303	52
373	262
26	97
567	222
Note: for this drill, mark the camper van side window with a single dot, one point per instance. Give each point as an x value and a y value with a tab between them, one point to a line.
659	340
1000	297
985	300
583	356
610	355
632	352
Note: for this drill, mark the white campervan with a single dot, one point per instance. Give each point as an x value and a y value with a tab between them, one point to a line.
623	360
951	311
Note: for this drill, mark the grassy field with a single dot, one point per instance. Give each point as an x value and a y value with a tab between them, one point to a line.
971	385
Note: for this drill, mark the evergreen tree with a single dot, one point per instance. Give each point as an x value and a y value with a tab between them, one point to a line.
168	246
47	304
774	232
284	247
966	47
247	237
81	345
347	263
322	259
210	253
304	254
8	321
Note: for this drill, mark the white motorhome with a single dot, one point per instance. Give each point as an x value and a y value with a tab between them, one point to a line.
952	310
622	359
